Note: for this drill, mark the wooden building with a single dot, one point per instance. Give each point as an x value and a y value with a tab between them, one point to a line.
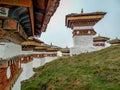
26	18
99	41
114	41
65	51
20	22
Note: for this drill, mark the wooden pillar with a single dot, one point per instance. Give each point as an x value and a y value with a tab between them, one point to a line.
3	78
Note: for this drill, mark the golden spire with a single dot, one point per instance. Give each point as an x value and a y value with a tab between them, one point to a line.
82	10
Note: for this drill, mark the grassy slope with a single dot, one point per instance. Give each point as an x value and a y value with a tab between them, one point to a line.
92	71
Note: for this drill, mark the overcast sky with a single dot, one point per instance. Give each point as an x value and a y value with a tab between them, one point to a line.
60	35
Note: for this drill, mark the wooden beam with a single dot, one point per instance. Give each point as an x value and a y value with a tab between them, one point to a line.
31	17
10	36
23	3
84	18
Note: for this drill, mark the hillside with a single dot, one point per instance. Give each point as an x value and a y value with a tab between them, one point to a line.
91	71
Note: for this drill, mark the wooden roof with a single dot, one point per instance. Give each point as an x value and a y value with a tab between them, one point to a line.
83	19
100	38
32	42
86	14
114	41
48	48
33	15
65	50
40	48
53	48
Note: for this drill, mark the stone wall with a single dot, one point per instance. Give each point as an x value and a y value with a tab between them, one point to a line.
49	59
17	85
9	49
2	50
37	62
27	70
83	41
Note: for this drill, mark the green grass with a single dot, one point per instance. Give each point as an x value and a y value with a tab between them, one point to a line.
98	70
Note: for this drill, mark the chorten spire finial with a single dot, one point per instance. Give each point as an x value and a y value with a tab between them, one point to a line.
66	46
99	34
51	44
82	10
116	37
